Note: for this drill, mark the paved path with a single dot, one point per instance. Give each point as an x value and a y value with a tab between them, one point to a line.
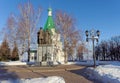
71	73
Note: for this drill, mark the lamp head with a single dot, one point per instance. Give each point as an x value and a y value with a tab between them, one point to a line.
86	32
98	33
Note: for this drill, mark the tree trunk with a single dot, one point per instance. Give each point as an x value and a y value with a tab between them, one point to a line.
65	52
28	51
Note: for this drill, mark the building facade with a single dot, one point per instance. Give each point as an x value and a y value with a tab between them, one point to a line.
49	47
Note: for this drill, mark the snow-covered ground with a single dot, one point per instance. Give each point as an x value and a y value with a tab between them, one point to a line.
12	63
51	79
108	73
86	62
90	62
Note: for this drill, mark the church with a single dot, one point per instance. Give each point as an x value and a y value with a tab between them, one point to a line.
49	47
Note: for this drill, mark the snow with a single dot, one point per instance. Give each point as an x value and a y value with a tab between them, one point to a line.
106	71
90	62
83	62
51	79
12	63
109	73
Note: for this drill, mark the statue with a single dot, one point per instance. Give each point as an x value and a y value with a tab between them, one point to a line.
44	58
47	37
48	56
38	37
44	37
41	36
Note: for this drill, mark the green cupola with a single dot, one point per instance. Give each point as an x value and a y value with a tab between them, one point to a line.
50	23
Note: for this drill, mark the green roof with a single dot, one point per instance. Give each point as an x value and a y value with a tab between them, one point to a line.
50	23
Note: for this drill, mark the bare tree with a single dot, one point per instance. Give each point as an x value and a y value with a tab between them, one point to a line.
110	49
11	30
98	52
69	34
116	47
23	27
27	22
81	49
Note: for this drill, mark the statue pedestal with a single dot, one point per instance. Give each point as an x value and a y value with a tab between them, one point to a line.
45	54
43	63
47	63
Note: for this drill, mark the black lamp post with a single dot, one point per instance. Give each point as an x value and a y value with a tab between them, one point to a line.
93	35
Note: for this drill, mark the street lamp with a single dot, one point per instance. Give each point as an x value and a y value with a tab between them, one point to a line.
93	35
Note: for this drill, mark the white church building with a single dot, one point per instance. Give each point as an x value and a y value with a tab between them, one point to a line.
55	49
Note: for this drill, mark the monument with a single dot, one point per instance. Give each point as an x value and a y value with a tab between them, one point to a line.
49	51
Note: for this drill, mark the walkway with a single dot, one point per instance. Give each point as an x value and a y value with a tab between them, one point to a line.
71	73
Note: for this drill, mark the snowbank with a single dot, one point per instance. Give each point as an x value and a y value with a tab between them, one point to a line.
91	62
106	73
52	79
12	63
84	62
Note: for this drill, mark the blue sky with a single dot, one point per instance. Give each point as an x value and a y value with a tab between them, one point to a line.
98	14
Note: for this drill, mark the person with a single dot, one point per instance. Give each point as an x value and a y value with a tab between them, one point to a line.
49	56
44	58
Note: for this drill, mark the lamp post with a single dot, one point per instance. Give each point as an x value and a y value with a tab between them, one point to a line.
93	35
